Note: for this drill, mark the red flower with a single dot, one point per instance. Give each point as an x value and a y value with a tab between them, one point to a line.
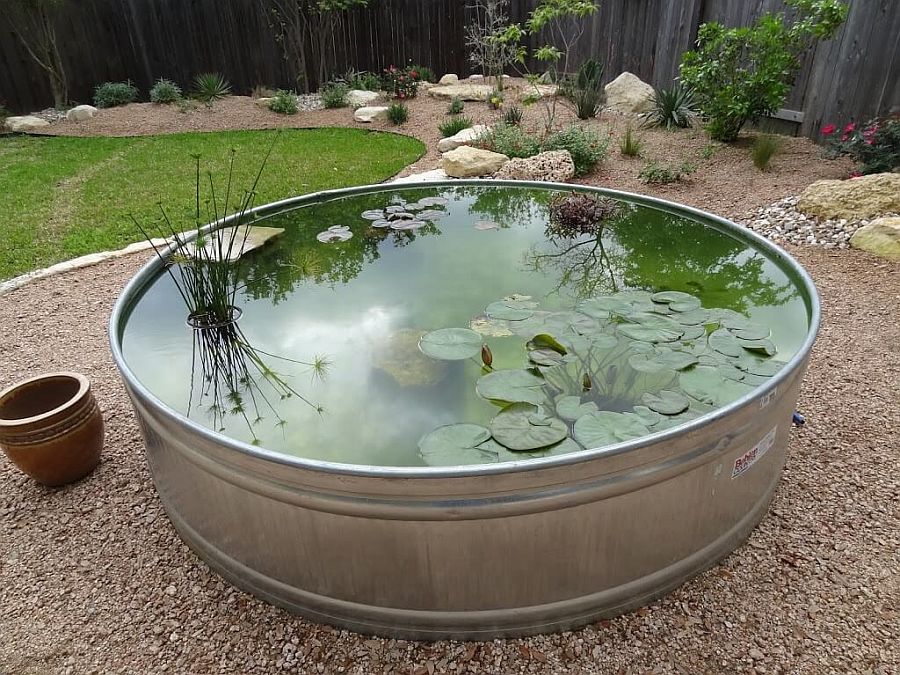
828	129
414	73
850	128
855	174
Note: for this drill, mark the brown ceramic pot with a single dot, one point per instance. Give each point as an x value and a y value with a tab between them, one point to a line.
51	427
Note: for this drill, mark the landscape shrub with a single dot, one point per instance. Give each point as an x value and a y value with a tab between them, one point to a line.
630	145
586	147
454	125
875	145
456	106
585	91
513	116
165	91
398	113
400	82
740	74
284	102
655	173
765	147
361	79
509	140
334	95
112	94
262	91
209	87
495	100
672	108
422	73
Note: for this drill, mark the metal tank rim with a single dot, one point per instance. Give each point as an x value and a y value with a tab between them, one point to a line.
775	253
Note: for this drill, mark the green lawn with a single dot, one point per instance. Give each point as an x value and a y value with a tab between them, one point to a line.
65	197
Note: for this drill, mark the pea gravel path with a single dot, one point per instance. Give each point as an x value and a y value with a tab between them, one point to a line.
93	579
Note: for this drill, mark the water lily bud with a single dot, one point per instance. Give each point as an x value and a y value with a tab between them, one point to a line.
586	382
486	356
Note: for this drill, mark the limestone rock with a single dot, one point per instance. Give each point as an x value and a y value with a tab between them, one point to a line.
247	238
370	113
555	166
863	197
464	137
544	90
881	237
449	78
264	101
26	123
80	113
467	92
629	94
422	177
476	77
467	161
360	98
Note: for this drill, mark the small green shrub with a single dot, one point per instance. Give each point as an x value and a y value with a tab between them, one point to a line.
456	106
334	95
530	99
209	87
672	108
513	116
765	147
663	174
112	94
495	100
708	150
586	147
630	145
585	90
262	91
186	105
398	113
875	145
454	125
165	91
360	79
400	83
740	74
284	102
509	140
422	73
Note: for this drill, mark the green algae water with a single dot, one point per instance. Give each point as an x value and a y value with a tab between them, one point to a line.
591	340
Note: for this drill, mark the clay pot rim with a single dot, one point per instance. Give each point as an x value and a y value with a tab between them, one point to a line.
84	385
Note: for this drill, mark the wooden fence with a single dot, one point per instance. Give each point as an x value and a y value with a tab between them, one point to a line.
856	75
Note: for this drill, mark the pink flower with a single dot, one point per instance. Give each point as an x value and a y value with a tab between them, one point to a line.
828	129
850	128
855	174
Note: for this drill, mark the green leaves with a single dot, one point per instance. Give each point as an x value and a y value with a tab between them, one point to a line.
523	426
455	444
597	429
511	386
666	402
451	344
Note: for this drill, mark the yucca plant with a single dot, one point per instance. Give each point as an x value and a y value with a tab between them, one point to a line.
586	91
513	115
209	87
672	108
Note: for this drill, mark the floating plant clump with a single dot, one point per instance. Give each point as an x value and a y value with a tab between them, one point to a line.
335	233
401	215
614	368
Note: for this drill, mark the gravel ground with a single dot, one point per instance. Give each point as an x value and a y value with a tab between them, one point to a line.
725	181
93	579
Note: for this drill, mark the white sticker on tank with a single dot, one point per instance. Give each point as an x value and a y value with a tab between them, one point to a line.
754	454
768	398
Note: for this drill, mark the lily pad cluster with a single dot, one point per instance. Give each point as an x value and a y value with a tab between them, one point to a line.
614	368
404	215
335	233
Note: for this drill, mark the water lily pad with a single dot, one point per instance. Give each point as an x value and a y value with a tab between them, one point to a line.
570	408
646	363
431	214
729	372
451	344
456	444
508	310
597	429
677	360
707	385
396	208
545	357
521	426
648	417
766	347
335	233
667	297
694	317
693	333
751	331
404	225
381	223
758	366
434	201
487	225
511	386
485	325
602	306
666	402
645	334
725	343
374	214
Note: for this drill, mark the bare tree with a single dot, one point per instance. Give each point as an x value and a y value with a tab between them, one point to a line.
34	24
486	49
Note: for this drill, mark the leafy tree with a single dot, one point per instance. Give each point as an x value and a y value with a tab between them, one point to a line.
740	74
34	24
487	49
302	28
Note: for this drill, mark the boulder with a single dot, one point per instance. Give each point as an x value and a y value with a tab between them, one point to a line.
464	137
370	113
25	123
476	77
466	161
449	78
544	90
863	197
555	166
360	98
629	94
264	101
422	177
467	92
80	113
881	237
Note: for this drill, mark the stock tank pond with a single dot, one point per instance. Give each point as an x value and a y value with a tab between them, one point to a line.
469	409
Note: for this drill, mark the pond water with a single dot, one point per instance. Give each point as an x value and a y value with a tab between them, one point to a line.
622	362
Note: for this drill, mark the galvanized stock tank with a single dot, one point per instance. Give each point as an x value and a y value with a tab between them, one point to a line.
475	552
